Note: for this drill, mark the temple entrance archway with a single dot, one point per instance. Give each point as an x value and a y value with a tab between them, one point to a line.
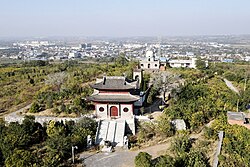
113	111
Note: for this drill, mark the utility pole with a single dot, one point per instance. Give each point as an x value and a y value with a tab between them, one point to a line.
245	84
73	153
238	105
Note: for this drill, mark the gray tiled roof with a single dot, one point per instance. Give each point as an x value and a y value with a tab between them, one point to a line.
113	98
113	83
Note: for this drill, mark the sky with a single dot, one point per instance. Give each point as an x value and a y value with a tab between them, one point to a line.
123	18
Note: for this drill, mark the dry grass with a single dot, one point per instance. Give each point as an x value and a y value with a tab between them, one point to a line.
49	112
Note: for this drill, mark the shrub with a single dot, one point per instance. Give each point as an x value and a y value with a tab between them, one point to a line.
164	161
143	159
35	107
181	144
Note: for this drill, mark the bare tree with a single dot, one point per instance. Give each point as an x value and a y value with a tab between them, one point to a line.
56	79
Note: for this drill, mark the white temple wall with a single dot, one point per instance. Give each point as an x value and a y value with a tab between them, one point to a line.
129	113
104	113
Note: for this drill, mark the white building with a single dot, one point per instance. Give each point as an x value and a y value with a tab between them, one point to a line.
150	62
74	55
247	58
183	63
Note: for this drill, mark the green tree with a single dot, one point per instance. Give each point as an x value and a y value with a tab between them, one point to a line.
20	158
31	81
181	144
79	136
49	102
56	129
146	131
33	129
87	123
13	136
80	130
196	120
121	60
152	94
145	81
165	161
143	159
164	126
197	159
35	107
62	108
58	149
200	64
80	102
29	124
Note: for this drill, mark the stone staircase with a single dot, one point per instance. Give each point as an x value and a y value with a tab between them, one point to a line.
102	132
119	135
112	131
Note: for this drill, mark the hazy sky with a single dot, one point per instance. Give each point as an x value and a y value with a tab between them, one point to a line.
123	17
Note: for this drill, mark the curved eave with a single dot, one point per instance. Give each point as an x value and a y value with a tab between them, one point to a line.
111	88
112	98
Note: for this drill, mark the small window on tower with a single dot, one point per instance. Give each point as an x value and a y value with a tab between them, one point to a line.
101	109
125	109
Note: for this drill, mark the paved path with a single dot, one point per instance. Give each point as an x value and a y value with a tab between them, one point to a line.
198	135
216	159
20	110
231	86
116	159
154	107
121	158
17	117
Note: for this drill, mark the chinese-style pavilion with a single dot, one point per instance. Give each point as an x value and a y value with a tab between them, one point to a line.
112	97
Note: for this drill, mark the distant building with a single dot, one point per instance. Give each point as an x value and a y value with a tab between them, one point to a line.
227	60
34	43
74	55
86	46
238	118
150	62
247	58
183	63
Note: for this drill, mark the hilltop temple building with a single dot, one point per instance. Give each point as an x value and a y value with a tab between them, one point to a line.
113	99
116	101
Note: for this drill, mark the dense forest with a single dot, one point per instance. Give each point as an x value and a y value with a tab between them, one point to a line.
31	144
